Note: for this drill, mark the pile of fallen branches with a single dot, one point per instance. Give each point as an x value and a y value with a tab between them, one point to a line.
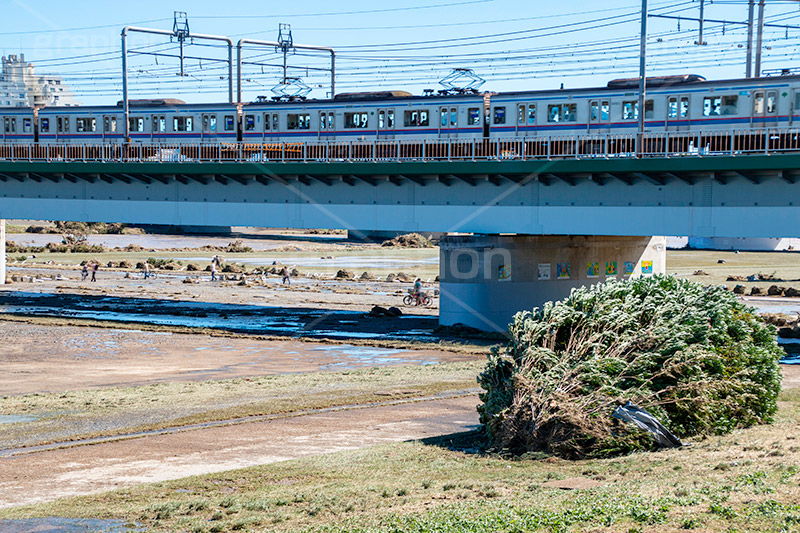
694	356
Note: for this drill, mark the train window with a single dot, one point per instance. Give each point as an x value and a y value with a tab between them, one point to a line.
85	125
298	121
499	115
453	116
7	125
605	111
532	114
228	123
772	102
630	110
594	111
109	124
562	113
160	124
355	120
520	114
758	104
390	119
249	122
63	124
416	118
672	108
474	116
443	113
26	125
275	123
44	125
720	105
136	124
331	121
323	120
213	121
182	124
381	120
684	107
797	101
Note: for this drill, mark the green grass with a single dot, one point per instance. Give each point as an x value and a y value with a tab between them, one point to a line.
445	484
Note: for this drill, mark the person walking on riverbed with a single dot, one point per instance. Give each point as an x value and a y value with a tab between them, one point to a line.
287	280
95	266
85	272
214	269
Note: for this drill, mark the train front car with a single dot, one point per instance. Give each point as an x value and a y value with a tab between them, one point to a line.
375	124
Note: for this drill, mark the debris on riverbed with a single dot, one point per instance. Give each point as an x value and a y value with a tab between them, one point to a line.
411	240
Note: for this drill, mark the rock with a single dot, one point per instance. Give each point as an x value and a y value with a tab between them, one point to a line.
172	265
756	291
390	278
774	290
189	281
792	292
721	262
139	265
405	278
380	311
345	274
366	276
739	289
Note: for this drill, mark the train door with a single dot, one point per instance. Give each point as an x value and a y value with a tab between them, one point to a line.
526	120
109	127
62	128
386	124
599	116
448	122
765	109
327	125
158	133
678	113
208	127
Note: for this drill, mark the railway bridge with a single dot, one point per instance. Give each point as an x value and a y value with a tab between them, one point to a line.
529	219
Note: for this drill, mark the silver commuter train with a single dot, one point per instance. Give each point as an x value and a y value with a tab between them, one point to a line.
674	103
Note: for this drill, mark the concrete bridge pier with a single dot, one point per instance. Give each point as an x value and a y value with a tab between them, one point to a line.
486	279
2	251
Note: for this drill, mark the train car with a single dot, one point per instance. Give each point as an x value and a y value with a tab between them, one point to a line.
158	121
383	115
673	103
17	125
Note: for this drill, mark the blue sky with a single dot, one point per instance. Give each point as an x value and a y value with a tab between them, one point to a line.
407	44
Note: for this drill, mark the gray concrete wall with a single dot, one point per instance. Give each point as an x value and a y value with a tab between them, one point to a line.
486	279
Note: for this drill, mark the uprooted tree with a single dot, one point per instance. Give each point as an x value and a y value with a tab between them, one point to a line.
694	356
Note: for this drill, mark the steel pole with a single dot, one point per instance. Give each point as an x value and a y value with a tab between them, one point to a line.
2	252
125	107
642	68
759	37
749	69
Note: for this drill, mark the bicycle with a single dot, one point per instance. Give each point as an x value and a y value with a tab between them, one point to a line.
411	299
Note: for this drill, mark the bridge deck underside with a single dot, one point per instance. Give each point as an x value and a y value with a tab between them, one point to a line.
744	196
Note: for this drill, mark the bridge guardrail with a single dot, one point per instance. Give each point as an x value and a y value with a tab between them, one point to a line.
648	145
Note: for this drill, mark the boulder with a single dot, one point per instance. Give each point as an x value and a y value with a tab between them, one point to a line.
739	289
756	291
345	274
774	290
792	292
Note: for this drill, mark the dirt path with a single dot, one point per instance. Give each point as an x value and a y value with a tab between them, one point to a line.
46	476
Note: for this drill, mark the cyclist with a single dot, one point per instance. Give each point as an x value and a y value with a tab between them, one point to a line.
417	291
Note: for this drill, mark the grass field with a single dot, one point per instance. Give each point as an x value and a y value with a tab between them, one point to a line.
747	481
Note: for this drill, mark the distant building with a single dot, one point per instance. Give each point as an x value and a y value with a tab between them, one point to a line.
20	87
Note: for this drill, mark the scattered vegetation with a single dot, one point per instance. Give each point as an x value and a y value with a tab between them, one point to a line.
694	356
